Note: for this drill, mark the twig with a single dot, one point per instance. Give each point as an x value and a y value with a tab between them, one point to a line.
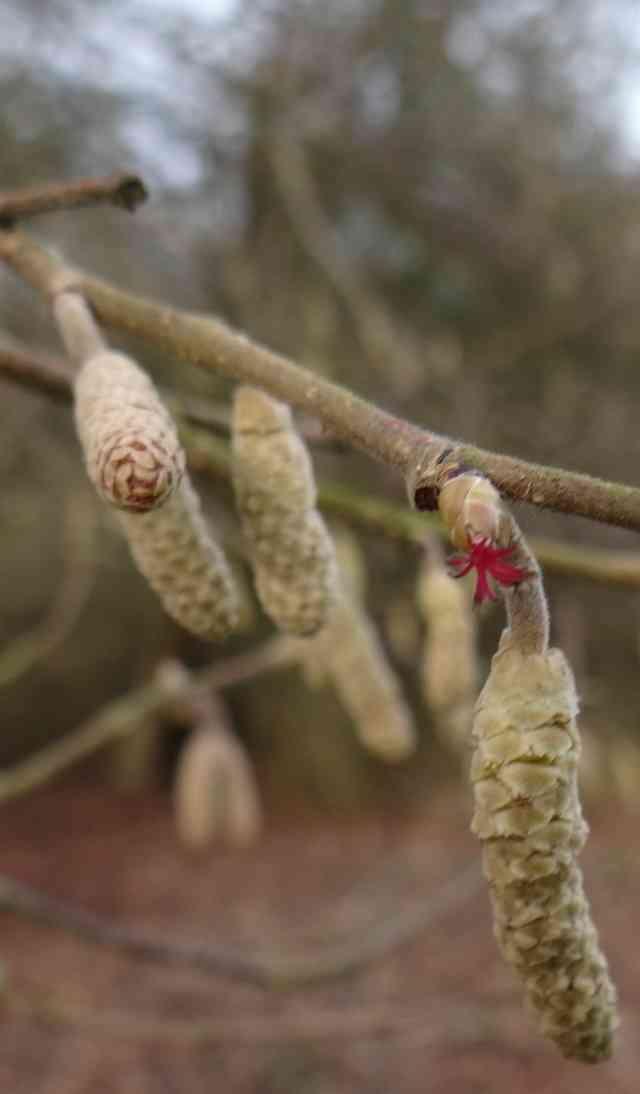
210	344
462	1022
19	655
209	454
123	716
270	969
124	190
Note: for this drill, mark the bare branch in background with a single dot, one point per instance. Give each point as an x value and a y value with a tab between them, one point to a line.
268	968
124	190
20	654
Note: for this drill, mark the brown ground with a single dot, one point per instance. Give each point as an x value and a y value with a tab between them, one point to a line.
440	1015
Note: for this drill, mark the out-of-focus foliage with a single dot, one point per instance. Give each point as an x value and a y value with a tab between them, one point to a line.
431	202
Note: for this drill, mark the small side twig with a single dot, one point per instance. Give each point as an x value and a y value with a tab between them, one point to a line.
124	190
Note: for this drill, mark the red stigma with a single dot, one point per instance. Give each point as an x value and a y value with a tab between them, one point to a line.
489	561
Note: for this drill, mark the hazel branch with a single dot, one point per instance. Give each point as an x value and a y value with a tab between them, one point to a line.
124	190
212	345
209	455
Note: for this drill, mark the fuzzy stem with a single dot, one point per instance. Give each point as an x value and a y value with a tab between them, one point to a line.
526	603
78	329
212	345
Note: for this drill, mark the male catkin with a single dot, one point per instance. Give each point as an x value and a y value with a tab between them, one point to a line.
136	462
291	550
528	815
215	794
173	548
131	446
449	667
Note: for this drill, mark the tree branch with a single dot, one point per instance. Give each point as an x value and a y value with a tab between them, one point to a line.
210	344
124	190
271	969
122	717
209	455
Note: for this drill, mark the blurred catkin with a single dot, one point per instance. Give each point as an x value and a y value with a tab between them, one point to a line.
291	550
528	815
132	452
348	652
215	794
135	460
173	548
449	666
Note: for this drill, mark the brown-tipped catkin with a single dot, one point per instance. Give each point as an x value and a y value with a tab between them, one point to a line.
291	550
131	446
449	669
215	794
528	815
173	548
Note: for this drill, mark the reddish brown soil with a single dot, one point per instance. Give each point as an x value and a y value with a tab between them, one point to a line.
446	1015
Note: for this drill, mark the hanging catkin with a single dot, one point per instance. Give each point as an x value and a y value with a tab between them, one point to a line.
291	550
136	462
215	794
132	451
174	550
449	668
348	653
528	815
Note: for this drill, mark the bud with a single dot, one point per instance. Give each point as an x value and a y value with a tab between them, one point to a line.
291	550
470	507
528	815
131	447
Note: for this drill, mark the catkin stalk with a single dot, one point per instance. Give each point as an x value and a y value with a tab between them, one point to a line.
291	550
528	815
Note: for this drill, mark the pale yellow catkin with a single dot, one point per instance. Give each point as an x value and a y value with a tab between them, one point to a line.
173	548
215	795
449	665
348	654
528	815
132	452
291	549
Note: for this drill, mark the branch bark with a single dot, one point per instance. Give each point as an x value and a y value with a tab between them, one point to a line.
125	190
210	344
208	454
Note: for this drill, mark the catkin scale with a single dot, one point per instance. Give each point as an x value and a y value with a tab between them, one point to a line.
527	813
132	452
291	550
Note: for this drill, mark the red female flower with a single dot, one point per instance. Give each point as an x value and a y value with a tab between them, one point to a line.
489	561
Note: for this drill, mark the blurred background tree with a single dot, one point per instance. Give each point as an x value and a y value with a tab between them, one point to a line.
433	203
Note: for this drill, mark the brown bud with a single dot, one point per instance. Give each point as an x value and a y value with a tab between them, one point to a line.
131	446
